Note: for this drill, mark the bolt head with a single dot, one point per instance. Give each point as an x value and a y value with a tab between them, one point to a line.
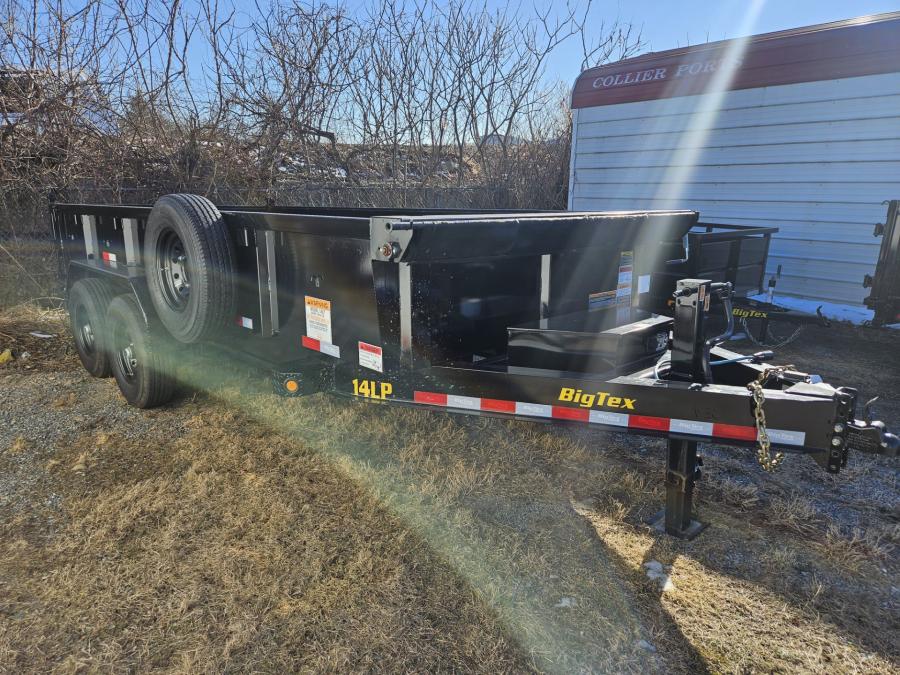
836	441
838	428
387	250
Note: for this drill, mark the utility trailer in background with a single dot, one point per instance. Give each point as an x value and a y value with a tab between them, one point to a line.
884	298
539	316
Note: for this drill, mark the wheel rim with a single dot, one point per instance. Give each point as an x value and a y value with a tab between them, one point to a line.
173	270
84	332
126	355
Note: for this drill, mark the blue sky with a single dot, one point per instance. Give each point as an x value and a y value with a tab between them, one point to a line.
667	24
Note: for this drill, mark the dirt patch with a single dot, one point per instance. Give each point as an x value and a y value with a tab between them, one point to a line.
236	530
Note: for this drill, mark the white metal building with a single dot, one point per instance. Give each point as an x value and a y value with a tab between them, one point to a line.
798	129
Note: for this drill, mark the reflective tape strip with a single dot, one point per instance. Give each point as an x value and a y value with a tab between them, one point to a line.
496	405
578	414
611	419
648	422
534	409
785	437
690	427
734	431
430	398
464	402
321	346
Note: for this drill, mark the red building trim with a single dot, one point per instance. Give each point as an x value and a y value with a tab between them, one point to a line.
866	45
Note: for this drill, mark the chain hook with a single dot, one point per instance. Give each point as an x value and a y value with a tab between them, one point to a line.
768	461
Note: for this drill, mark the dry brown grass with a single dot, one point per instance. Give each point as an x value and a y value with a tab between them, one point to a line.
216	551
325	535
18	322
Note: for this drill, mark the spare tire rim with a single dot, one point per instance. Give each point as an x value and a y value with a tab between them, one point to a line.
172	270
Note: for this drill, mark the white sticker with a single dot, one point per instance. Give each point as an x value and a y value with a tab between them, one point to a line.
330	349
245	322
370	356
644	283
318	319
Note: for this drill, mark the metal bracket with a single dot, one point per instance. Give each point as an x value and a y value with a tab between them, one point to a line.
91	244
132	241
268	286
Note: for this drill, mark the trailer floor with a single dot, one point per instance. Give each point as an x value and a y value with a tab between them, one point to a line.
234	530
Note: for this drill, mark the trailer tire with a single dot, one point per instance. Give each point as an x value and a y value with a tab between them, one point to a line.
190	266
88	301
141	355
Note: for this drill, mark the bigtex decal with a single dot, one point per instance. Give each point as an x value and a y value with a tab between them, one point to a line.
742	313
601	399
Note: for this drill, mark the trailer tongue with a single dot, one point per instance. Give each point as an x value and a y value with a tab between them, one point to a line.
533	315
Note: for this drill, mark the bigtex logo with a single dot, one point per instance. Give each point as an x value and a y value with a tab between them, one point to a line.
600	399
742	313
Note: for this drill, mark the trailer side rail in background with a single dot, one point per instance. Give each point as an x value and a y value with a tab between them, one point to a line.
884	297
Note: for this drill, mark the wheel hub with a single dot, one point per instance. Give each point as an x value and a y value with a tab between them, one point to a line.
87	336
127	359
173	270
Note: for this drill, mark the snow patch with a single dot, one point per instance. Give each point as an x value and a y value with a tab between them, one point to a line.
832	310
656	572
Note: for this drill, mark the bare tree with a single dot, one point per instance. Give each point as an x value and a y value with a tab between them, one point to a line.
128	99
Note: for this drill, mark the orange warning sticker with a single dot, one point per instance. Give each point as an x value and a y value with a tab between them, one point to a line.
318	319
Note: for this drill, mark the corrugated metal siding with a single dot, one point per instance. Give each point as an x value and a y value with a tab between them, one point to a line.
816	159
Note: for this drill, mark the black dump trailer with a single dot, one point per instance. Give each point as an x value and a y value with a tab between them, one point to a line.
600	319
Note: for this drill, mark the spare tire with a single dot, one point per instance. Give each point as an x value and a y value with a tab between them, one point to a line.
189	259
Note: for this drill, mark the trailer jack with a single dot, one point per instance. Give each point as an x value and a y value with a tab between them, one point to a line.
690	362
682	472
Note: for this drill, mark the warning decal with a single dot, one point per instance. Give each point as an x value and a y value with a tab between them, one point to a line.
601	300
623	287
370	356
318	319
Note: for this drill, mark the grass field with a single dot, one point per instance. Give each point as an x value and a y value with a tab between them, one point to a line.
235	531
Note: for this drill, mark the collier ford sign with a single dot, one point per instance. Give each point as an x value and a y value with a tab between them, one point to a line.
852	48
682	70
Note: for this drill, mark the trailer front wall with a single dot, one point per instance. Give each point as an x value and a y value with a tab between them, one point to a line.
814	158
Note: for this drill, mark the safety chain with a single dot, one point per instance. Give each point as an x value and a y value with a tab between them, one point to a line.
774	342
764	456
